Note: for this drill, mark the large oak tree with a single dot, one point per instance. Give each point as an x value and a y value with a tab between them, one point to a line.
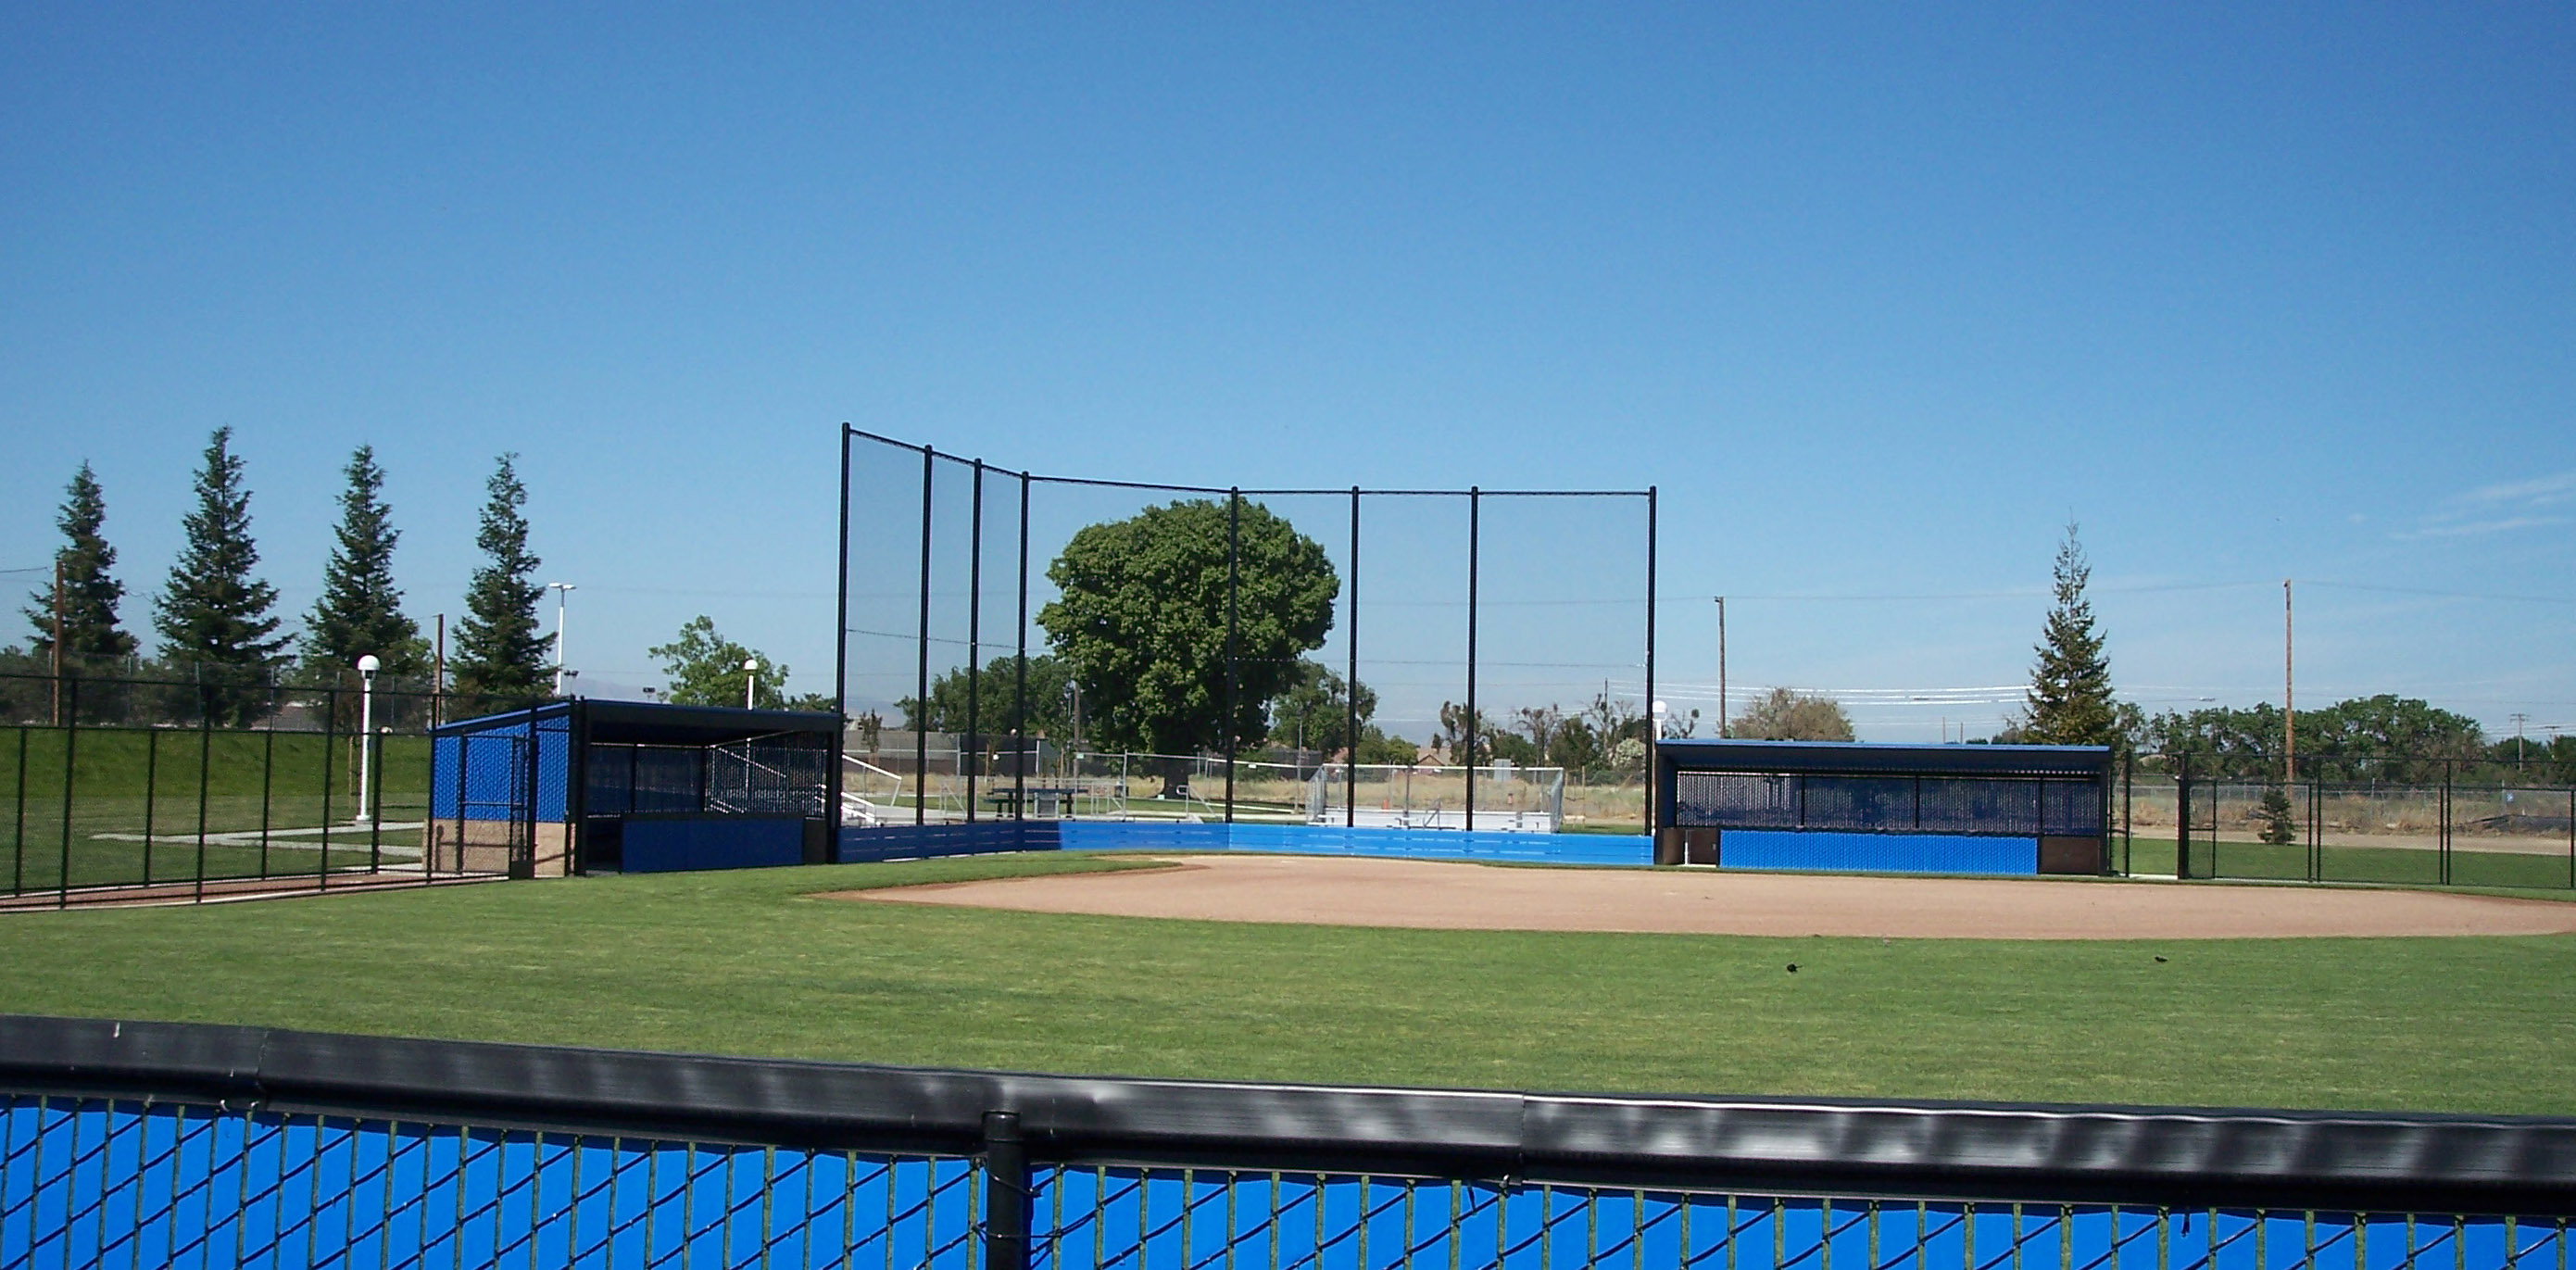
1142	619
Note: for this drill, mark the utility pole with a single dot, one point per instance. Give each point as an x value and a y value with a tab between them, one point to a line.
2519	719
2289	709
1721	667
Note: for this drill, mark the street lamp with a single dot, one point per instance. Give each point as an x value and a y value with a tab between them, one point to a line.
561	590
367	667
750	679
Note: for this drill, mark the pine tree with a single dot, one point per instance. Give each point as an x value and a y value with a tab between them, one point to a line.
89	595
499	652
214	616
2069	702
360	611
2280	828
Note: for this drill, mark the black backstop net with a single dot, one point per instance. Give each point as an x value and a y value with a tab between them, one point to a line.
1019	645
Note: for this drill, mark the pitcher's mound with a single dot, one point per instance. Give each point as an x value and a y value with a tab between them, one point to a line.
1341	891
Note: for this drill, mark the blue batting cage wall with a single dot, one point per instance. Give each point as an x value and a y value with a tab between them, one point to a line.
479	770
1855	807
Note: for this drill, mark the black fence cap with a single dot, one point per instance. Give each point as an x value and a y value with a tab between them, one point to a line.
1880	758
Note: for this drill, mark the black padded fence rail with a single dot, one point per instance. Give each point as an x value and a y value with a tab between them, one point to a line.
2168	1158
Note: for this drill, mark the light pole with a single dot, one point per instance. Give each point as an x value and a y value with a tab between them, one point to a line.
750	679
561	590
367	667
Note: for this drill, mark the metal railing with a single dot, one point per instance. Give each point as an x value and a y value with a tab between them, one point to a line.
134	1144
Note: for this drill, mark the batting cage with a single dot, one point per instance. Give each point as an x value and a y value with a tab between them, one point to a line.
587	786
2007	809
1339	667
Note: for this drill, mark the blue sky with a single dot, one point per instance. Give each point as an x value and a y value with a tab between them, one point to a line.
1878	299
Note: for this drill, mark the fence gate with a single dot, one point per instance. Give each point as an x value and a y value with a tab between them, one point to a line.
493	825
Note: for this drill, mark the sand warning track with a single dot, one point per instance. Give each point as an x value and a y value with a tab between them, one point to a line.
1440	896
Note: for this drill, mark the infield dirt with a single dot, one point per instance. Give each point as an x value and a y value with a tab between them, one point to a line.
1310	890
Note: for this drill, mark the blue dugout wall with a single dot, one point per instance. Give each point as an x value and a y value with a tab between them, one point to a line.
1853	807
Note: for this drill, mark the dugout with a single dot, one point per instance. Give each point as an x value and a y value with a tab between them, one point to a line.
1856	806
637	787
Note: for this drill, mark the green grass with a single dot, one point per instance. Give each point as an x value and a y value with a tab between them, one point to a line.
754	963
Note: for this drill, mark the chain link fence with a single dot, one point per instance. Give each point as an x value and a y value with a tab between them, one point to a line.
154	789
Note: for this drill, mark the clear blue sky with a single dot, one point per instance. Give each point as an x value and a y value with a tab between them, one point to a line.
1879	299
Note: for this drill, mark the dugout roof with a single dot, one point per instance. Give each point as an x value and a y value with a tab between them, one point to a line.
1850	758
656	723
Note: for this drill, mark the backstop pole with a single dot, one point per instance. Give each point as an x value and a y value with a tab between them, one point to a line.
1233	583
1467	730
1653	791
840	661
1351	690
921	650
1020	676
968	750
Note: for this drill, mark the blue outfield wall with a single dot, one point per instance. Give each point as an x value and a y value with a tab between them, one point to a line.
1818	851
911	842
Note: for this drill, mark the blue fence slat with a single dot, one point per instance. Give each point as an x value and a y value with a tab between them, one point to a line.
88	1182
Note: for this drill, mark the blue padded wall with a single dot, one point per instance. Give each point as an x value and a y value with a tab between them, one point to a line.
1876	852
674	844
909	842
924	842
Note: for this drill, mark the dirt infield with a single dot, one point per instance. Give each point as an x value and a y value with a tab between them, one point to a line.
1412	893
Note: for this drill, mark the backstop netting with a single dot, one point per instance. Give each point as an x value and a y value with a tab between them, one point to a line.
1018	645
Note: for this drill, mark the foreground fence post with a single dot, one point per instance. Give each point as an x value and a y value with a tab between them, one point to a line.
1006	1193
71	749
2182	816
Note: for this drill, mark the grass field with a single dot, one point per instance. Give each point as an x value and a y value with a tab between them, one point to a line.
755	963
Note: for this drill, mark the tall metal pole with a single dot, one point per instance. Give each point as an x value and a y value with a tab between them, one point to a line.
921	650
969	749
1467	729
1351	687
840	659
1653	790
1233	583
2289	708
1020	676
